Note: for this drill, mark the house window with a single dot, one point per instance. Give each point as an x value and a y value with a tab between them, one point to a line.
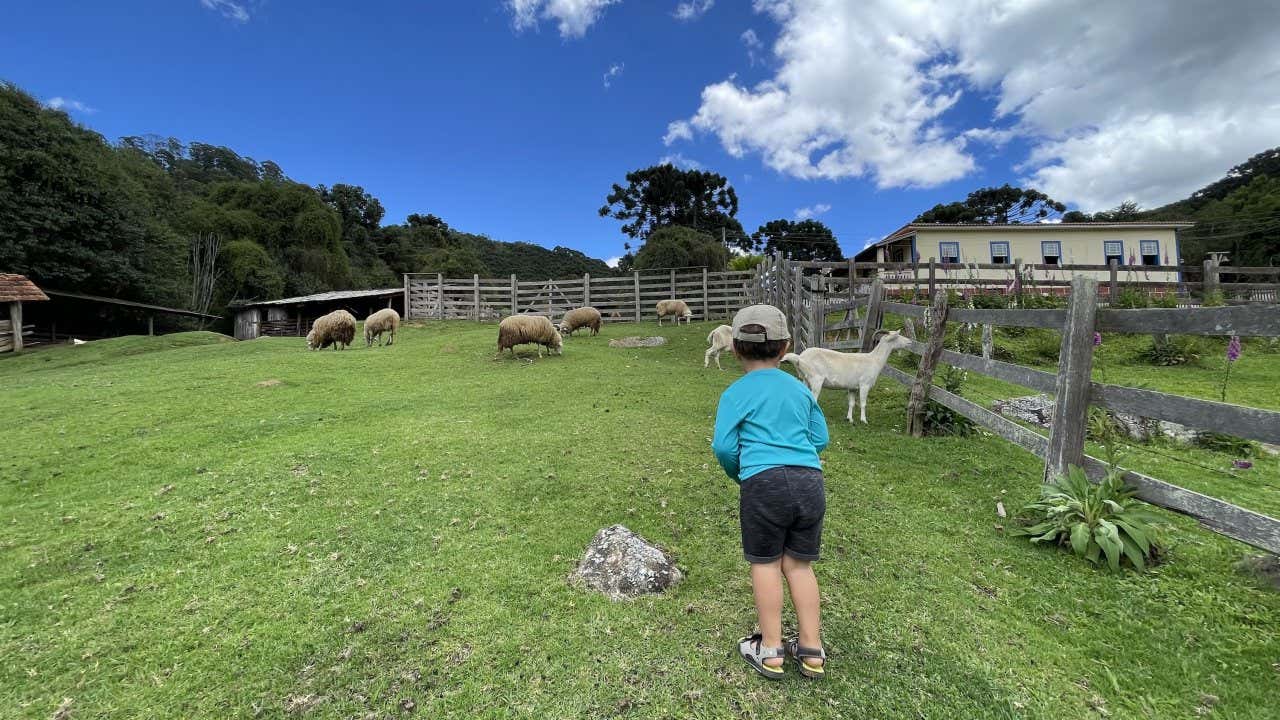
1150	252
949	252
1113	250
1000	253
1051	250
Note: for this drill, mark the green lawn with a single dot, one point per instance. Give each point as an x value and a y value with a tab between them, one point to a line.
388	531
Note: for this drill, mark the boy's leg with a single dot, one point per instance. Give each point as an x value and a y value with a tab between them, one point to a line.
766	583
805	597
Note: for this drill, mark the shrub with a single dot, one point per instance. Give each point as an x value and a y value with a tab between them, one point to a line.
1229	444
942	420
1213	298
1095	521
1035	301
1130	298
1045	346
1175	350
990	300
1166	299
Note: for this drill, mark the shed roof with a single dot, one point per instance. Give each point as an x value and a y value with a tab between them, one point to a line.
132	304
17	288
322	297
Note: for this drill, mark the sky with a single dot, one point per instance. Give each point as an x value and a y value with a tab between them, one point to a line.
512	118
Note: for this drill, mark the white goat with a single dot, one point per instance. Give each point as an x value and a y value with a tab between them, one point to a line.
720	339
847	371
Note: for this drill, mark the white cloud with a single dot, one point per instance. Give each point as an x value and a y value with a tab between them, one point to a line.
1116	101
680	161
614	71
229	9
67	105
752	41
812	211
613	261
692	9
678	130
572	17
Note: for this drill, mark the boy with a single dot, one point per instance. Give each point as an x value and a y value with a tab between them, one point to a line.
769	431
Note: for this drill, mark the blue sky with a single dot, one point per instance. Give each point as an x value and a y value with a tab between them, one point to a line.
499	117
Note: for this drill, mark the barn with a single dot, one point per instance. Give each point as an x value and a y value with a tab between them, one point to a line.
292	317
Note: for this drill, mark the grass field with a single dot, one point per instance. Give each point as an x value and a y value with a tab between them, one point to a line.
191	527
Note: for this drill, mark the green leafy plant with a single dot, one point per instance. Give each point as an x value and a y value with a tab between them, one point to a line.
1129	298
990	300
1096	521
1213	298
1037	301
942	420
1175	350
1229	444
1166	299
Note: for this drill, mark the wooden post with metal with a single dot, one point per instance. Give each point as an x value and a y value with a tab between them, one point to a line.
937	327
1073	386
706	302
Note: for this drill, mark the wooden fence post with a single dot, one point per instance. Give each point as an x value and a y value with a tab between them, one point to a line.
1113	289
988	343
475	284
406	296
928	362
151	324
1075	366
586	289
636	277
820	317
933	276
1017	281
797	307
673	283
871	323
706	302
440	293
515	295
852	281
15	320
1210	279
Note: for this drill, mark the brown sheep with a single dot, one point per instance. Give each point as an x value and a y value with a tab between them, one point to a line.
338	329
583	317
529	329
385	320
679	308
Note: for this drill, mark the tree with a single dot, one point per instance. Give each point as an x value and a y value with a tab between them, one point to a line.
664	195
674	246
996	205
798	240
1127	211
250	273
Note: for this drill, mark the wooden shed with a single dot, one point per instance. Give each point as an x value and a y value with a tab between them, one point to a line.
15	290
292	317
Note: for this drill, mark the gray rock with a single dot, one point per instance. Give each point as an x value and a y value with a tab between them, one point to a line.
1038	409
636	341
620	564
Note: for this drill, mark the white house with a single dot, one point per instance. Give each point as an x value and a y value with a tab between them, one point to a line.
1049	245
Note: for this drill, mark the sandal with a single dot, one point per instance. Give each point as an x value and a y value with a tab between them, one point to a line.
798	653
750	649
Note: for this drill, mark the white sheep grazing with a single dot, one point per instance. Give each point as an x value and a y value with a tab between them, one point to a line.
720	339
678	308
847	371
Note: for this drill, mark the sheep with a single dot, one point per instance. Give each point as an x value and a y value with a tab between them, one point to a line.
338	329
587	317
385	320
846	371
720	339
533	329
679	308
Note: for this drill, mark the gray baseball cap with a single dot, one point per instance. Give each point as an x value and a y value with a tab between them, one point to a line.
766	316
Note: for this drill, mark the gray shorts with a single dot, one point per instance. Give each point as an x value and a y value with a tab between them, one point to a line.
781	511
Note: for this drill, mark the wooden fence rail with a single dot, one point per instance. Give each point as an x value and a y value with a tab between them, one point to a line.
781	282
622	298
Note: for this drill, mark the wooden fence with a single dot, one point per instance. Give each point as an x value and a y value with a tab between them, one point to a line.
809	303
627	298
1237	284
6	334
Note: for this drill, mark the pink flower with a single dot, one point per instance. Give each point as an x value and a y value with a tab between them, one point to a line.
1233	349
1242	464
1097	339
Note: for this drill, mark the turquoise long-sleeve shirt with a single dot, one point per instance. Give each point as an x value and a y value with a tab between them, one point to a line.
768	419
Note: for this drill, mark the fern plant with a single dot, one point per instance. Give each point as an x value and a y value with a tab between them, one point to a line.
1102	521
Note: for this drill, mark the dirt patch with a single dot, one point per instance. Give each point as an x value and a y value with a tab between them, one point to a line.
1265	568
636	341
268	383
449	349
299	704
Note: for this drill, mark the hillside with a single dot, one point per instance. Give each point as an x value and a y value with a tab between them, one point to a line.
122	219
